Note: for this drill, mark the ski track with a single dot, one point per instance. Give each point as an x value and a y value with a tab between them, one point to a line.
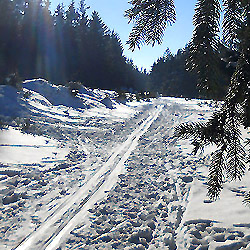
145	208
63	215
94	190
125	184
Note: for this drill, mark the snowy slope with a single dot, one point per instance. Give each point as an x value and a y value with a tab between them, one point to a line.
88	172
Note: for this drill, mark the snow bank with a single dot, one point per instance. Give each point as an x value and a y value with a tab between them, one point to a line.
10	102
55	141
20	148
61	95
38	96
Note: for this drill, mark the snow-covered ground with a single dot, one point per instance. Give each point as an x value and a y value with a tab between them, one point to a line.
89	172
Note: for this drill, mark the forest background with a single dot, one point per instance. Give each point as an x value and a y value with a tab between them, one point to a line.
69	46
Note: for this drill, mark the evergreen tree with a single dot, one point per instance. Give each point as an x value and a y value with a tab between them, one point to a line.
60	57
45	40
160	73
150	19
204	57
82	37
29	38
98	35
9	37
70	41
170	77
114	61
36	30
62	47
223	129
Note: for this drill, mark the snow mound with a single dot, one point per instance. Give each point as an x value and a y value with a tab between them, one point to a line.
62	95
19	148
39	94
10	102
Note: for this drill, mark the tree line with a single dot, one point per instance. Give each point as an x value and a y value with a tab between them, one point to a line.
171	76
61	47
68	45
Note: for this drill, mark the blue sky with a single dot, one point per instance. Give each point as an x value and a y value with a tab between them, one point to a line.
176	36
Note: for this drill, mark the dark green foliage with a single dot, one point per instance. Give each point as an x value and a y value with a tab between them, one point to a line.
216	174
150	19
232	22
66	46
207	58
247	199
9	26
170	77
204	58
211	132
221	130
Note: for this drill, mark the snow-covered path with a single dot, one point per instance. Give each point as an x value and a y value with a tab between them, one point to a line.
55	229
146	206
112	178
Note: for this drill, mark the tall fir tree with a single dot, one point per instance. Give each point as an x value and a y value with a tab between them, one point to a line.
70	41
223	129
204	59
98	35
82	38
9	37
59	19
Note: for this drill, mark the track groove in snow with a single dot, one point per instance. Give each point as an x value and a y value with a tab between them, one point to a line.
157	202
49	235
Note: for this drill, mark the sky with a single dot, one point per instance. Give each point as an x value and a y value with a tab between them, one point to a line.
112	13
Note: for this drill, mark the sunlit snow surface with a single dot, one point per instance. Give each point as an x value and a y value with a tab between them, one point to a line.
53	142
19	148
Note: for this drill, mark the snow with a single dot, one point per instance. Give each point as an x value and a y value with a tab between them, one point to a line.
9	102
228	214
85	171
19	148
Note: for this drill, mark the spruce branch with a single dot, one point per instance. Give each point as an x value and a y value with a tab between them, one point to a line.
215	177
150	18
232	22
236	155
246	200
188	130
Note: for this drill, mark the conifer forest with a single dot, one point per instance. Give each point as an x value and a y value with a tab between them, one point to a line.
66	45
